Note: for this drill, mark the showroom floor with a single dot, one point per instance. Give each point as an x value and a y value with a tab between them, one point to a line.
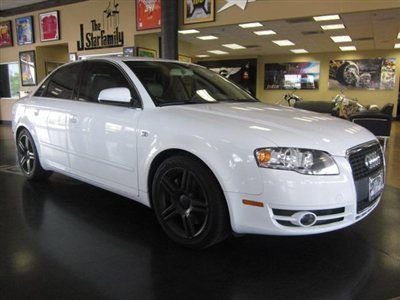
67	240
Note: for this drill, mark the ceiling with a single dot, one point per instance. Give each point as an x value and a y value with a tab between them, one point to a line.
9	4
368	30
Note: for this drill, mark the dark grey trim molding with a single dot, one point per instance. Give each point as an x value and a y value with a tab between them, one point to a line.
5	122
36	6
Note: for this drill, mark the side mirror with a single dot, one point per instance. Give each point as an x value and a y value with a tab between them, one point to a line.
118	94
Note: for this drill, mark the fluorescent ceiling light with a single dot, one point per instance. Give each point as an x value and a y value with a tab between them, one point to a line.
341	38
188	31
251	25
398	35
207	37
283	43
327	18
219	52
397	46
348	48
233	46
333	26
297	51
202	55
265	32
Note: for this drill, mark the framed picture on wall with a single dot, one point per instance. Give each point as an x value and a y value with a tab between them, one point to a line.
6	37
184	58
27	65
146	52
25	30
129	51
72	56
198	11
49	25
148	14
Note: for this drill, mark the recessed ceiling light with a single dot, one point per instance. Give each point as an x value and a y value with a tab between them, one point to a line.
207	37
251	25
398	35
397	46
341	38
327	18
233	46
188	31
333	26
265	32
219	52
202	55
348	48
297	51
283	43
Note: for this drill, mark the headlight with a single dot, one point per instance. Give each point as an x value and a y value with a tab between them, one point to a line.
304	161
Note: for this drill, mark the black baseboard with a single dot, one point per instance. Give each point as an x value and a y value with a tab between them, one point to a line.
4	122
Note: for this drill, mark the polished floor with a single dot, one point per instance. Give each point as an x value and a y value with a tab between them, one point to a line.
64	239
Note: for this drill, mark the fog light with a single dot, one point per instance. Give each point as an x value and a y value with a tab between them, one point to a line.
304	218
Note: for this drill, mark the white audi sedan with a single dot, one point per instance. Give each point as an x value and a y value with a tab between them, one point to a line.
204	154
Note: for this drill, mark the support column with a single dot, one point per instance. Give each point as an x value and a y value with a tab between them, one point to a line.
169	29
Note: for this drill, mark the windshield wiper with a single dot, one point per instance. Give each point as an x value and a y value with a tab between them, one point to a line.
181	102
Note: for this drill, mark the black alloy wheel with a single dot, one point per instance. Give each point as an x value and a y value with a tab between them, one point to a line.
189	203
28	158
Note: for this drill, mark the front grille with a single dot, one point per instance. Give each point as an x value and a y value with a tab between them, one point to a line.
357	156
365	203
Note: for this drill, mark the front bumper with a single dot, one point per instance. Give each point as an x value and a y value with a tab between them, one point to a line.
333	199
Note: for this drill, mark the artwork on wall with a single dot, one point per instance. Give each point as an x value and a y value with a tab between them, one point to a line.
6	38
72	56
27	66
292	76
184	58
25	30
372	74
146	52
241	71
198	11
148	14
49	25
129	51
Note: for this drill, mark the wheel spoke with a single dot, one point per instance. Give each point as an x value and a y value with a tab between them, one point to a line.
21	146
169	212
188	225
26	142
185	180
31	155
23	160
168	186
28	165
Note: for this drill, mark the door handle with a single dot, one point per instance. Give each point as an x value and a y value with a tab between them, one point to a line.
73	119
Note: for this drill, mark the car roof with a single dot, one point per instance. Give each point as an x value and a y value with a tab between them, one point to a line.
133	58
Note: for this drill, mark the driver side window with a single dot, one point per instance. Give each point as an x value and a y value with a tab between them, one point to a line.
99	75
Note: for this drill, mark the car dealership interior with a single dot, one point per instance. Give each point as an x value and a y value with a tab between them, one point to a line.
271	175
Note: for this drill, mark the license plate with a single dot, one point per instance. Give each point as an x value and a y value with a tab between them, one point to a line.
376	184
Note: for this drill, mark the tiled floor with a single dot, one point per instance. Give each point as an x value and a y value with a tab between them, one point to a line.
64	239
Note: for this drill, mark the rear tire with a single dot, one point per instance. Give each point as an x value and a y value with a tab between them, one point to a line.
189	203
28	158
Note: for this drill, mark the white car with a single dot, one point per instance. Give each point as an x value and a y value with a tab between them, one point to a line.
203	153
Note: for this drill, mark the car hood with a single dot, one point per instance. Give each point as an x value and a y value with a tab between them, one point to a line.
285	126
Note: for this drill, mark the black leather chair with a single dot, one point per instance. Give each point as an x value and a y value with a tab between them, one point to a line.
387	109
378	123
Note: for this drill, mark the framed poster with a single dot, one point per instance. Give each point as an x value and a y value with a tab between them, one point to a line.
184	58
72	56
49	25
6	38
25	30
371	74
148	14
198	11
129	51
243	72
27	65
292	76
146	52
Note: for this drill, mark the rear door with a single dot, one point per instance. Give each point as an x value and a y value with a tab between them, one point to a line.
102	137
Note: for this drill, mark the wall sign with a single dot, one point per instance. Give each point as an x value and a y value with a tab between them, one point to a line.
103	34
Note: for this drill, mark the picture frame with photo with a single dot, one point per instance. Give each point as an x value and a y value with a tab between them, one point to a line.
145	52
198	11
72	56
184	58
49	26
6	34
129	51
148	14
25	30
27	65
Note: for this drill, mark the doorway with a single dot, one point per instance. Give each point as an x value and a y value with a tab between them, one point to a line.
49	58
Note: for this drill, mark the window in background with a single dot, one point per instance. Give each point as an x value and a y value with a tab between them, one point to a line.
9	80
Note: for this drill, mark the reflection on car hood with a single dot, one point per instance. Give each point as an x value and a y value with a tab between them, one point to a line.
286	126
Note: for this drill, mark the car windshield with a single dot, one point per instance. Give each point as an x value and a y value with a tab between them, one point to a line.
170	83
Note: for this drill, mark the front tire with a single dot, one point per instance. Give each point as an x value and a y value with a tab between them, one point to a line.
189	203
28	158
